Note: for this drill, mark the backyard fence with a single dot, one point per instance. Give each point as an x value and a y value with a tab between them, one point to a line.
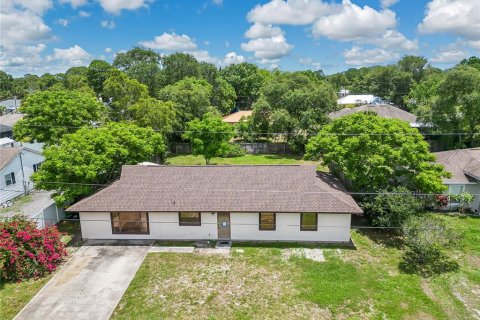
253	148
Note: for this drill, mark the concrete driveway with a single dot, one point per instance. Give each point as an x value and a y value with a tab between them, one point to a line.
91	283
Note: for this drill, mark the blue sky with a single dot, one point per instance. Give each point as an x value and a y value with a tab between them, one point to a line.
52	35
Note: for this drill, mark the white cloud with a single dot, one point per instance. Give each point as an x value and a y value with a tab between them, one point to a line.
73	56
307	61
170	42
217	2
459	17
292	12
354	22
75	3
268	48
108	50
204	56
258	30
84	14
359	56
38	7
63	22
392	39
388	3
108	24
233	58
18	62
474	44
116	6
452	53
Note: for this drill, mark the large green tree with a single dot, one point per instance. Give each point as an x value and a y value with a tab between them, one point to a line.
390	83
98	71
86	160
126	60
157	114
376	153
209	136
413	64
48	115
223	96
178	66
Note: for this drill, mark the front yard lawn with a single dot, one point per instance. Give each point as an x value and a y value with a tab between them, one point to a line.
265	282
15	295
246	159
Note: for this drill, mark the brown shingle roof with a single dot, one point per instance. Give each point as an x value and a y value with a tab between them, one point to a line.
383	110
462	163
7	154
236	116
221	188
10	119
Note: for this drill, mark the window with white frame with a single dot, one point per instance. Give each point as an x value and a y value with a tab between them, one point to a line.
10	179
456	188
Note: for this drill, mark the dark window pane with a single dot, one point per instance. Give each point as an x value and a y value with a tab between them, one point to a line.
267	221
130	222
189	219
308	221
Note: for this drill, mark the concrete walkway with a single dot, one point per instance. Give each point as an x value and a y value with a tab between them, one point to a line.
91	283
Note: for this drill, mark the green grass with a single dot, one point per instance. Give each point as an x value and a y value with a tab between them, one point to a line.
15	295
246	159
258	281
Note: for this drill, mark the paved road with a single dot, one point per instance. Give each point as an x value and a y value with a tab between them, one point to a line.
91	283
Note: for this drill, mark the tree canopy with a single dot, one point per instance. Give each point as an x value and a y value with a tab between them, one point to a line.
86	160
48	115
157	114
376	153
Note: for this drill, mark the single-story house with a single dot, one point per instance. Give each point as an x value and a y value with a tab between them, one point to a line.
383	110
464	164
16	166
356	99
235	117
255	202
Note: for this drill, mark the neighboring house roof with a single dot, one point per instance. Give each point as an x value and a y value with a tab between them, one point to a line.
360	99
464	164
383	110
287	188
7	155
11	104
236	116
6	141
10	119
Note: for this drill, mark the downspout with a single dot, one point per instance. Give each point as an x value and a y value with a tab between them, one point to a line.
23	175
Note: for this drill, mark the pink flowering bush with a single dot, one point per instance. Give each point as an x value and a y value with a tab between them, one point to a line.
28	252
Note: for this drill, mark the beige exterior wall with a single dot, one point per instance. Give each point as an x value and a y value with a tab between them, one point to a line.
244	226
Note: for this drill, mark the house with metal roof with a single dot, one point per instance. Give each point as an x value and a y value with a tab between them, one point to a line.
464	165
357	99
383	110
262	202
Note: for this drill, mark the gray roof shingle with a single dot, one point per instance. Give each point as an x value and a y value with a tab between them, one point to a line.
464	164
7	154
279	188
383	110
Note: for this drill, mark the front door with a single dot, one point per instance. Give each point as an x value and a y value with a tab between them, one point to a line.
223	222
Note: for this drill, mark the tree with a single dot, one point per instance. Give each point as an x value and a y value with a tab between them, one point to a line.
179	66
6	85
246	79
376	153
389	83
191	97
86	160
126	60
413	64
209	136
223	96
97	73
472	62
121	92
260	119
390	207
157	114
48	115
423	95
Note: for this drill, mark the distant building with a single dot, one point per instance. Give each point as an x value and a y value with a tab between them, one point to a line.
343	93
7	122
383	110
236	116
11	105
357	99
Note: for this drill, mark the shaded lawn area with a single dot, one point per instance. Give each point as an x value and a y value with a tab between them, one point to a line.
14	296
259	281
246	159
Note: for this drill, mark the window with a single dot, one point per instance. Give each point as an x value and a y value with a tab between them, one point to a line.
267	221
130	223
10	178
189	219
36	166
308	221
456	188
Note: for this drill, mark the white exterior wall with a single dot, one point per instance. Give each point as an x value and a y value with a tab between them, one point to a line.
331	228
12	191
244	226
474	189
162	225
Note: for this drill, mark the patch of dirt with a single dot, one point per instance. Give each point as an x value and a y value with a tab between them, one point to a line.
469	295
311	254
421	315
427	290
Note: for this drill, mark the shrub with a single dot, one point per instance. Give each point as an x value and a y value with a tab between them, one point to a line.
29	252
426	239
233	150
390	208
441	201
464	199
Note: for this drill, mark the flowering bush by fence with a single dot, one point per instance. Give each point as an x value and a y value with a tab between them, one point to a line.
28	252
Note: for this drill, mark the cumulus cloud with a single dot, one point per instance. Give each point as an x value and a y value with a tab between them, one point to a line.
84	14
75	3
451	53
233	58
116	6
388	3
258	30
268	48
108	50
292	12
63	22
108	24
73	56
26	60
392	39
360	56
354	22
170	42
459	17
474	44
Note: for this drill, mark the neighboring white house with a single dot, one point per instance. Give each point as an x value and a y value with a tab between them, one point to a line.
273	203
464	164
357	99
7	122
17	164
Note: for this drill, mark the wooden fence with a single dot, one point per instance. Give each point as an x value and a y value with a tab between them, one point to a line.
253	148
